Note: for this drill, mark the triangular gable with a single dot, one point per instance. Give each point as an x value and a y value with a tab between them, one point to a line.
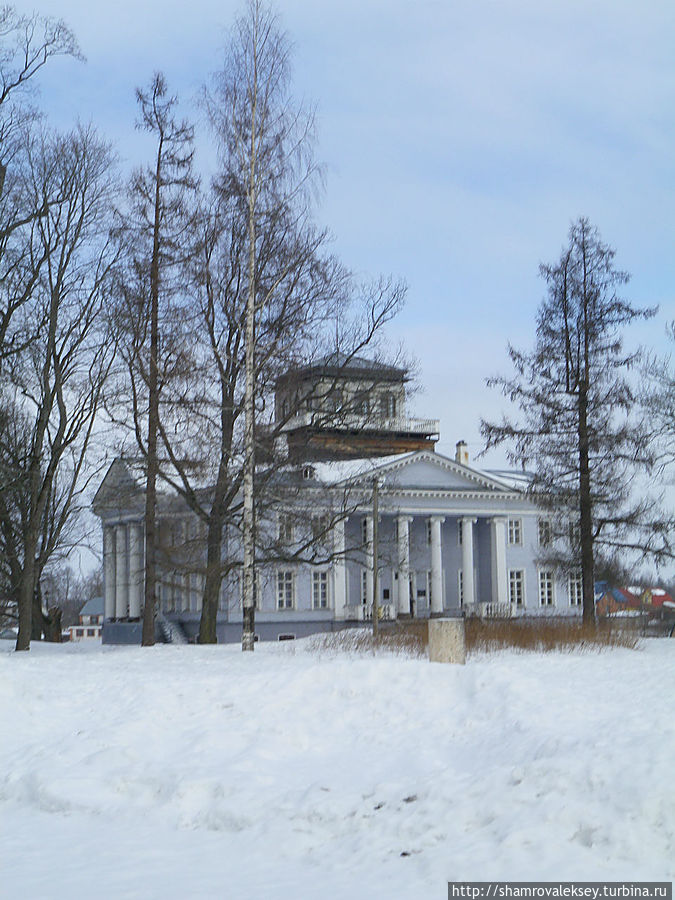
118	488
427	470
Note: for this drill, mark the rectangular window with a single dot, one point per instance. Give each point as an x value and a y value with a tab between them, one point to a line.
516	587
460	587
545	587
79	632
362	405
515	531
91	632
364	531
285	532
388	406
286	637
319	590
575	590
364	586
544	532
285	589
460	532
320	524
428	532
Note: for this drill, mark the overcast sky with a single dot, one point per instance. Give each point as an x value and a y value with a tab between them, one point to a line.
461	138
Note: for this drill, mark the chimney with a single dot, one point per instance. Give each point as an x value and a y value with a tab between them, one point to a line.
462	453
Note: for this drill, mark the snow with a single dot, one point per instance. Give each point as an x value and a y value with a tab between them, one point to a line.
338	471
174	772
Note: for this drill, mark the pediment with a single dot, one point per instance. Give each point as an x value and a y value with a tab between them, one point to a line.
430	471
119	490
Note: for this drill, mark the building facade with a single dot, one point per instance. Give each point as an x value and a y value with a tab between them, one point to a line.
450	538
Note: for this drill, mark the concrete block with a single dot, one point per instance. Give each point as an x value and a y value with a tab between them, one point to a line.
446	641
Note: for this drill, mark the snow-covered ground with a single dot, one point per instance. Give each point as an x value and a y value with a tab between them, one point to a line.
202	772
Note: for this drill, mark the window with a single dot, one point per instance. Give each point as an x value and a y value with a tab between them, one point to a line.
91	632
459	532
544	532
364	531
285	589
574	534
79	632
285	532
320	524
286	637
428	531
319	590
364	586
388	406
575	590
362	405
545	587
515	531
516	587
460	587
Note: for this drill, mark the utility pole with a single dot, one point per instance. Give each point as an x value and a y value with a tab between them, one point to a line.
376	606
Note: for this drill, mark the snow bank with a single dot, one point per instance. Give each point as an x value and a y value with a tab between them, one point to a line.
201	772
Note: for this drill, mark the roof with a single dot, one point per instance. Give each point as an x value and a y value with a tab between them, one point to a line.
336	364
93	607
429	470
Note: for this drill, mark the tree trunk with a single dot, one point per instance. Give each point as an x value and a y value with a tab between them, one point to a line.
248	633
585	512
53	625
26	592
148	637
212	582
37	616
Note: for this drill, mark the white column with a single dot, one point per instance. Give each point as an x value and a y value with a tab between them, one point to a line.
109	571
468	585
369	562
403	565
135	570
339	571
436	565
121	573
499	585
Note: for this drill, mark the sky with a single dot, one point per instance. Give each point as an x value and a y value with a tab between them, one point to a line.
460	138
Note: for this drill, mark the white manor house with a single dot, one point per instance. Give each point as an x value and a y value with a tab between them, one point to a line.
450	538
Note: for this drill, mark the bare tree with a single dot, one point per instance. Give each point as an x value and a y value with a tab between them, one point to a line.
156	236
26	45
266	149
53	387
658	398
577	431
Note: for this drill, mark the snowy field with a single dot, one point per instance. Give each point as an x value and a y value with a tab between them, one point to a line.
201	772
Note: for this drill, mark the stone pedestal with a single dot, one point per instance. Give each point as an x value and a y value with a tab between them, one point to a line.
446	641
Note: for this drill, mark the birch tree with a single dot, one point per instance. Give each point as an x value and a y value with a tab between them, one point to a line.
267	287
